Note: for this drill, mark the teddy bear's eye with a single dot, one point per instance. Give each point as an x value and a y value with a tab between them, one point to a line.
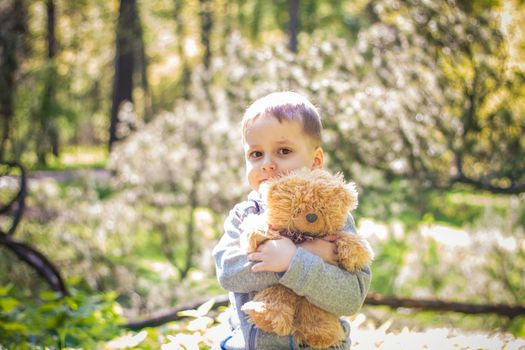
311	218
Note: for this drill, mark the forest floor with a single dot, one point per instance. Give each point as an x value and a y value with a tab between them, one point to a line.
366	335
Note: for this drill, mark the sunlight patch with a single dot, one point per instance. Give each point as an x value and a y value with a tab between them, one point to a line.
369	228
447	235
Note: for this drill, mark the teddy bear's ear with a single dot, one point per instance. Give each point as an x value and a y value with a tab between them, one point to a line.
279	187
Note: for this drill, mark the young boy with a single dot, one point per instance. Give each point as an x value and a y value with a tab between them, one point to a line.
282	132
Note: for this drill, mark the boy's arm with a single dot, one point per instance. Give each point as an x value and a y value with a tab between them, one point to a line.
233	268
327	286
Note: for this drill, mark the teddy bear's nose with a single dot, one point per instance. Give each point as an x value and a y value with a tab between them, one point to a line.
311	218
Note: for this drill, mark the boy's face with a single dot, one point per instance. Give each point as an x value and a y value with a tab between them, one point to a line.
272	148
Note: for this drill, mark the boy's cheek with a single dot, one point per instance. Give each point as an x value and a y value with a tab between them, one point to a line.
248	167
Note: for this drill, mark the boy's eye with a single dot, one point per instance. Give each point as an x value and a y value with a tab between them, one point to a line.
285	151
255	154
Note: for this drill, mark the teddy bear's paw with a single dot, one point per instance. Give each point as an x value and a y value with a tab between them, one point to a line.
254	306
320	337
278	321
316	327
282	322
256	311
251	240
253	228
354	252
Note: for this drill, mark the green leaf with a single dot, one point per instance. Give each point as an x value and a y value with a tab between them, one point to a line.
13	327
71	303
49	295
8	304
5	290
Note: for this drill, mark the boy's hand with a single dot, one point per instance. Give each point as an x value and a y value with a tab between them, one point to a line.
324	248
274	255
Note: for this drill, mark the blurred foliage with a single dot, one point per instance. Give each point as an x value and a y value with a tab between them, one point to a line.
422	102
80	320
390	262
420	90
102	231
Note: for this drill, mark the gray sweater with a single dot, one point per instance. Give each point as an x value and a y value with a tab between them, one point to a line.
326	286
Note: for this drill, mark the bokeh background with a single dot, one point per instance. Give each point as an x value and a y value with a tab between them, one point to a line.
126	115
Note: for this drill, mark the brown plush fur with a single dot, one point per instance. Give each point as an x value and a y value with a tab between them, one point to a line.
291	201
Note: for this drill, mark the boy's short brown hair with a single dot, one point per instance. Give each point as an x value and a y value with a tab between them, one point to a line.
287	106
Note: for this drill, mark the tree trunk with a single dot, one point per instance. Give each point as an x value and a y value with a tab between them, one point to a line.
206	16
255	26
148	103
124	61
49	136
12	30
226	26
142	67
51	54
51	24
190	230
293	27
185	77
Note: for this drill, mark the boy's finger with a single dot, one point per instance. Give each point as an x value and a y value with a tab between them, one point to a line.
331	238
258	267
254	256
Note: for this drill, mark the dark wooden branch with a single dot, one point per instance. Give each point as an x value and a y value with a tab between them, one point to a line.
19	199
172	315
483	183
373	299
24	252
442	305
514	188
38	262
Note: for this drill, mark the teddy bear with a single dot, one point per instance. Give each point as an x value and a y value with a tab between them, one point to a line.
303	205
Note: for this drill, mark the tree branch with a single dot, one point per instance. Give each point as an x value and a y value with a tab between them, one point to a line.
373	299
514	188
441	305
173	315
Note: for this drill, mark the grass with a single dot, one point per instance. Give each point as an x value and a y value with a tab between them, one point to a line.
74	157
456	207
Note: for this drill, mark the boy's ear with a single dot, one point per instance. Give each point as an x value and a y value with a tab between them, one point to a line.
318	161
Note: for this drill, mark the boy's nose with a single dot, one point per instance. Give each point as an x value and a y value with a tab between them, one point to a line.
268	165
